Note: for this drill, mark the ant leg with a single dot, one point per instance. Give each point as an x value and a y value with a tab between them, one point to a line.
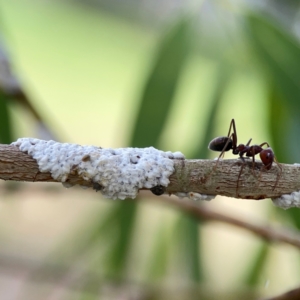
249	142
234	134
241	153
279	174
217	162
265	143
240	173
260	174
218	159
253	161
223	150
232	124
231	137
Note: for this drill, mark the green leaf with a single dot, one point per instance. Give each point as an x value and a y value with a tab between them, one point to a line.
186	238
5	122
161	86
125	221
155	105
159	257
156	102
189	232
222	79
185	241
284	127
257	266
280	54
157	98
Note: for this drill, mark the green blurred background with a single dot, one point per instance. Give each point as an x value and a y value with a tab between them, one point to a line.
145	73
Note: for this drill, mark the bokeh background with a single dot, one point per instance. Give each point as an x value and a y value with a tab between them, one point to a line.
169	74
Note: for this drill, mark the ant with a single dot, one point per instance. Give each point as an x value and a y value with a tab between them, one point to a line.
226	143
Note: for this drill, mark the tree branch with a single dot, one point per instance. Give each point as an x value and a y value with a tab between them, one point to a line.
266	232
198	176
290	295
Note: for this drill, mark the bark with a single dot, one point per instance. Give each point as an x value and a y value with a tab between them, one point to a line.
232	178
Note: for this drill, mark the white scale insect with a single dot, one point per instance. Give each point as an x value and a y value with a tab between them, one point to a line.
116	173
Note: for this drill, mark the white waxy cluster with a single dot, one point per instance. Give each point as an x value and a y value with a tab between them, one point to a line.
116	173
288	200
196	196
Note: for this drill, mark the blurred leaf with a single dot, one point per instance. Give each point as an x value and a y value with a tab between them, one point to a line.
161	86
282	121
257	265
279	115
294	214
106	228
187	237
222	79
280	53
189	227
155	105
5	123
12	90
125	220
159	258
284	128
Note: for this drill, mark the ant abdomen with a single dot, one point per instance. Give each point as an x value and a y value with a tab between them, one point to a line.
218	144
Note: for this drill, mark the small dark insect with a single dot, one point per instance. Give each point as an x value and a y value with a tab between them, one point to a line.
86	157
158	190
97	186
229	142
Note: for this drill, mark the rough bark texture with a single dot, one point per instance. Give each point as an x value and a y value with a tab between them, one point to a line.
232	178
235	178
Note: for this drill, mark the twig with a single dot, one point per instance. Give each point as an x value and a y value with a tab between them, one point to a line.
290	295
202	212
198	176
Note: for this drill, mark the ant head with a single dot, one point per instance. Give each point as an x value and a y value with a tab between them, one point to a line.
267	157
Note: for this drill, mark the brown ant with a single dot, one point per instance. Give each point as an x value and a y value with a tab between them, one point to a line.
226	143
